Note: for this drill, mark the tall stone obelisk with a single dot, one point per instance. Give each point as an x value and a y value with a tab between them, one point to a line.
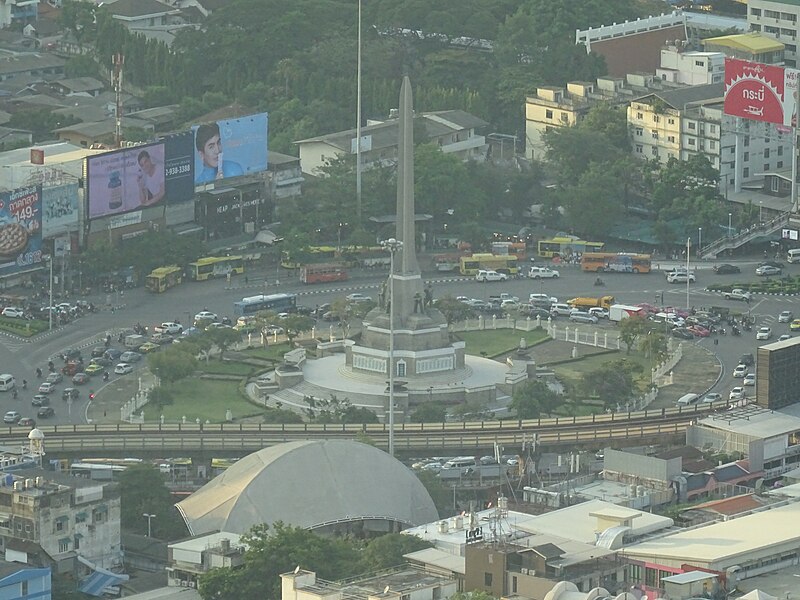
407	284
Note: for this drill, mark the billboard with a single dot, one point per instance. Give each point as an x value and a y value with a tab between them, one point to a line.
134	178
20	229
59	209
230	148
125	180
760	92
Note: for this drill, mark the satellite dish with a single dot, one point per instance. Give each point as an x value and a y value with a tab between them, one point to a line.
297	569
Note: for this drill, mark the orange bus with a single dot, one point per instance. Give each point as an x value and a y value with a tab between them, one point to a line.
622	262
323	273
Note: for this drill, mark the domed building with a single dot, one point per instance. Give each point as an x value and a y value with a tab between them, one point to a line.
331	486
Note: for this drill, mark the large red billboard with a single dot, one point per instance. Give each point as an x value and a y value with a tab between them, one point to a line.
760	92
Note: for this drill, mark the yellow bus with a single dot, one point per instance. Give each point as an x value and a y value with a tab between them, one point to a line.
215	266
470	265
163	278
565	246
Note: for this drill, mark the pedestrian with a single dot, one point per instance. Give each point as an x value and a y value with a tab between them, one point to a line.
716	341
246	280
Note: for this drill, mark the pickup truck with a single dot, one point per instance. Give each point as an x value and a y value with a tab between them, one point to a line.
490	276
503	297
738	294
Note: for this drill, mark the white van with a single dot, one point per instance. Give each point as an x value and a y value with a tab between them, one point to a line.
460	462
7	382
561	310
793	256
688	399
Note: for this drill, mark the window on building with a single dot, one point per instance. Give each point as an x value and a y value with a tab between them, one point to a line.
733	150
671	139
772	14
656	119
789	17
766	166
712	128
63	545
487	579
639	116
548	114
514	584
746	172
671	121
23	588
699	63
755	27
791	48
746	156
639	131
654	151
746	141
692	125
779	165
766	140
691	141
655	135
712	145
59	525
639	148
766	152
780	150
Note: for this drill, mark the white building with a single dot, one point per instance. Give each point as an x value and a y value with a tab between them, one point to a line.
778	20
684	122
403	583
16	11
691	67
189	559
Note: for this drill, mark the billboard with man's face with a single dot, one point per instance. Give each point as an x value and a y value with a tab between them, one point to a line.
125	180
230	148
20	229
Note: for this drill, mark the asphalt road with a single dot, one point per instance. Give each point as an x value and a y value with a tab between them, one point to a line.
182	303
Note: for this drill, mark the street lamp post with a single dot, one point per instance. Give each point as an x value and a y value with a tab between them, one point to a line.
392	245
699	241
149	518
760	211
730	217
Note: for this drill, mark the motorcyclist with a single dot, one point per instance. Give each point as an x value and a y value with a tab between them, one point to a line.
14	394
24	384
105	376
38	372
598	281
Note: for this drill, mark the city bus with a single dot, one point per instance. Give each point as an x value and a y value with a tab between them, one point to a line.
308	255
622	262
566	245
447	262
163	278
323	273
273	302
470	265
215	266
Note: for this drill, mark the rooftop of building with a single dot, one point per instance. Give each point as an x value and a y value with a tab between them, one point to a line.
438	559
731	506
204	542
389	583
755	421
681	98
748	42
167	593
28	61
80	84
727	540
140	8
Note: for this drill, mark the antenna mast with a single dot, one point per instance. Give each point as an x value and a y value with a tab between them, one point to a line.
119	60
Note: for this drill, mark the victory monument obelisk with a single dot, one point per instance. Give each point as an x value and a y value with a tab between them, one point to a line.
423	352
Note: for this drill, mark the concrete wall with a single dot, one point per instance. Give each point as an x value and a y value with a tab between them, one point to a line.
637	465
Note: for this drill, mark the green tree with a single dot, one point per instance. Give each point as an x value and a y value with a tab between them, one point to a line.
387	551
654	345
296	324
223	338
429	412
613	383
142	491
172	364
631	329
441	496
40	121
533	398
454	310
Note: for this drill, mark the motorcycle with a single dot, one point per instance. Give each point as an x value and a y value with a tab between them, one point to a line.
599	282
736	331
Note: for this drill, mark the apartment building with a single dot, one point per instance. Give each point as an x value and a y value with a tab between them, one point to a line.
689	67
684	122
755	47
778	20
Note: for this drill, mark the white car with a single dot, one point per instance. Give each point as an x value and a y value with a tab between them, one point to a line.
490	276
738	294
600	313
356	297
11	416
766	270
785	317
737	393
749	379
740	371
712	397
13	312
205	315
678	277
764	333
542	299
169	327
123	369
583	317
543	273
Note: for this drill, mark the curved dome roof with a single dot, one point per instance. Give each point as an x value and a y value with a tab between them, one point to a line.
307	484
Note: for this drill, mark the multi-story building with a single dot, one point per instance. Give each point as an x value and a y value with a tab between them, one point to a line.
778	20
18	581
54	520
188	559
551	107
755	47
454	131
401	583
14	12
681	123
690	67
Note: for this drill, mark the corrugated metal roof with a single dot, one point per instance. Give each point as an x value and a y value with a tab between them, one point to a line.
749	42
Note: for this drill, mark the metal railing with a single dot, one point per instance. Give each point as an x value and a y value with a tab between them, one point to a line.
743	236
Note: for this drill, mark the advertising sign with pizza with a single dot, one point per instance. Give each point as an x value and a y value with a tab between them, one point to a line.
20	230
760	92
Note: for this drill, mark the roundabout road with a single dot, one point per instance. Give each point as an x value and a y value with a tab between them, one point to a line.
181	303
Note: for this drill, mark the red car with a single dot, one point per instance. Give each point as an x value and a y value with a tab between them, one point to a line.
699	331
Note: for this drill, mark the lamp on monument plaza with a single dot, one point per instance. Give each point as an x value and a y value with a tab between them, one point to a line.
393	246
149	518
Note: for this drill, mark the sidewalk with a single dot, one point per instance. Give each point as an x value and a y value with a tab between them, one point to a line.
111	397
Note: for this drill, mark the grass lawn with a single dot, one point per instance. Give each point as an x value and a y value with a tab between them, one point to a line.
572	372
225	368
203	399
271	352
23	327
494	342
